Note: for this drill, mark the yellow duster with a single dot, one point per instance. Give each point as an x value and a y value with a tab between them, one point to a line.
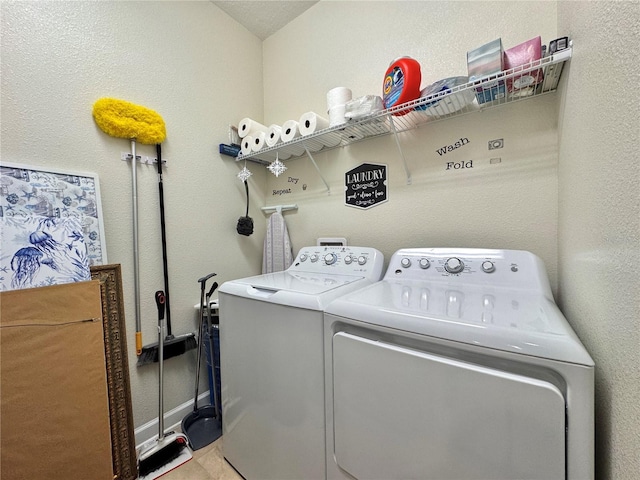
122	119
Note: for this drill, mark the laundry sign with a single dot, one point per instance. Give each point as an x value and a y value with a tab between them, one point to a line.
366	185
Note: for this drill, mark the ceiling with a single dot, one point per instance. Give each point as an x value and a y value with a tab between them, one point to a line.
263	18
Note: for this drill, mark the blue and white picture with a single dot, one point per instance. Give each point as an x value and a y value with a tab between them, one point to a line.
50	227
37	252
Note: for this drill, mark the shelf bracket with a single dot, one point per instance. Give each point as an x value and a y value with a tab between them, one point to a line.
404	160
316	165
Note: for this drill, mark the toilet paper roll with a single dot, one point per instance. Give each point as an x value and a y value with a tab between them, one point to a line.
247	144
338	96
311	122
336	115
273	135
250	127
258	141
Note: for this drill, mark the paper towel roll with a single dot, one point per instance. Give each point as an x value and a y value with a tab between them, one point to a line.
273	134
258	141
338	96
250	127
311	122
290	130
247	144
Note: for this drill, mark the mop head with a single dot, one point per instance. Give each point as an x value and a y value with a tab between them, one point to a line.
121	119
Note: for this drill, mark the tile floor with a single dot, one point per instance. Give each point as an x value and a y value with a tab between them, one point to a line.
208	463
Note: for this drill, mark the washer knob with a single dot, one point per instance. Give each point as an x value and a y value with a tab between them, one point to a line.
454	265
424	263
330	258
348	259
362	260
314	258
488	266
303	257
405	262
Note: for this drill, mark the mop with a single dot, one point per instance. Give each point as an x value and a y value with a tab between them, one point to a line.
121	119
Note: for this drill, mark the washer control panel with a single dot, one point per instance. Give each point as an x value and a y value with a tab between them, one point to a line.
340	260
504	268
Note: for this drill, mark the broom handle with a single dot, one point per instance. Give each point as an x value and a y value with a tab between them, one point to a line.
136	260
161	304
164	241
200	341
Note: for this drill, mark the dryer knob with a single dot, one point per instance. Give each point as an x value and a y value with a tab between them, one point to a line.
330	258
362	260
303	257
348	259
424	263
488	266
405	262
314	258
454	265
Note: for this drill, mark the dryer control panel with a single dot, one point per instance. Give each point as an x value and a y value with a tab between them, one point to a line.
343	260
499	268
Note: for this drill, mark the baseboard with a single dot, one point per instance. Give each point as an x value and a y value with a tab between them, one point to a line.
172	420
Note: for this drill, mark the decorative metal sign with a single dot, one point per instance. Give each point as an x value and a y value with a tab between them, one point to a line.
366	185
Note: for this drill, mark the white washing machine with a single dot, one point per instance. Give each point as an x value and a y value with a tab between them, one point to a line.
457	365
272	360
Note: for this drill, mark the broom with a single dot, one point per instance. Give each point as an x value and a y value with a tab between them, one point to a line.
173	346
121	119
170	450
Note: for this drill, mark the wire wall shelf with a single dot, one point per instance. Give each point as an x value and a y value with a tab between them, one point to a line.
476	96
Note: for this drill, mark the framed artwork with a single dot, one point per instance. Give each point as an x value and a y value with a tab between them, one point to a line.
118	384
51	226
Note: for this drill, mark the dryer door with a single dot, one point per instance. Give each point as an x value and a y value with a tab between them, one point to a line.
405	414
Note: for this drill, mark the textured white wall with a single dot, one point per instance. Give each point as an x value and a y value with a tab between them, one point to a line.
180	59
599	230
509	205
201	71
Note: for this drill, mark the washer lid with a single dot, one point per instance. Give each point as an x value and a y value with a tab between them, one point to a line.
510	320
307	283
294	288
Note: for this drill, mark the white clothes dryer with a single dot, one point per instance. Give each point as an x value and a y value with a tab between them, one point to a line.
272	360
458	365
